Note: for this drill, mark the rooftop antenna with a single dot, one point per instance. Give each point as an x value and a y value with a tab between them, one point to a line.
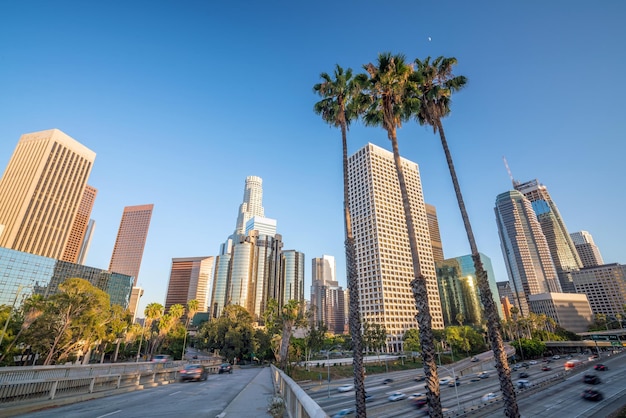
508	170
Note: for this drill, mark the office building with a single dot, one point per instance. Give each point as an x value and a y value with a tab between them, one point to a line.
131	240
459	292
220	284
76	242
587	250
292	276
571	311
605	287
562	249
252	204
383	256
327	297
525	249
505	296
189	280
40	192
29	273
435	236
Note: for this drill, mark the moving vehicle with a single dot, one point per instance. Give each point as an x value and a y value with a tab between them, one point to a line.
420	378
368	397
556	357
532	362
570	364
453	383
523	383
344	412
600	367
225	368
387	381
416	395
592	395
523	375
396	396
591	379
475	359
489	397
345	388
546	368
161	358
193	372
593	357
483	375
445	380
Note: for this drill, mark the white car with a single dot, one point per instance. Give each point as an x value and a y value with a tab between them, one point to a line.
345	388
532	362
445	380
489	397
416	395
396	396
556	357
523	383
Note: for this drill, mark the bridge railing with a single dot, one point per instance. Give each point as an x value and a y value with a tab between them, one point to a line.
297	402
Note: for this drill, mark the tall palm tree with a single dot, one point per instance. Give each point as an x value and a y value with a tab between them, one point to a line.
153	312
391	94
437	83
338	108
192	308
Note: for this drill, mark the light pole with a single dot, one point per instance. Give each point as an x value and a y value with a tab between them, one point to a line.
456	391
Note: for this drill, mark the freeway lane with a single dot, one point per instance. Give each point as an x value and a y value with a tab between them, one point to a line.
189	399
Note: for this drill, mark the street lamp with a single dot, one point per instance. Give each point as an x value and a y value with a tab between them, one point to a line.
456	391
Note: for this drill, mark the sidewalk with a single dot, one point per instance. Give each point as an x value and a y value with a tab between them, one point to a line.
253	400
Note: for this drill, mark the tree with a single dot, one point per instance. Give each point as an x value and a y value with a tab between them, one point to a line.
283	321
436	84
32	308
338	108
232	333
391	94
192	309
412	340
153	312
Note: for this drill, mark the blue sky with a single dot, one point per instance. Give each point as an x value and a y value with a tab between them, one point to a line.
182	100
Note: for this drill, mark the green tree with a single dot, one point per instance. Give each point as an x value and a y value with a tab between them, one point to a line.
284	320
153	313
338	108
31	309
232	334
436	84
391	93
412	340
192	309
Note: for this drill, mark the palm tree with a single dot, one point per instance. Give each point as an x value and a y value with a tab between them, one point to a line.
153	312
192	308
338	108
391	94
437	83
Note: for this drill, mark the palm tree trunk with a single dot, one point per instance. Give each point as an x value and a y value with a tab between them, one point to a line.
420	293
493	322
354	313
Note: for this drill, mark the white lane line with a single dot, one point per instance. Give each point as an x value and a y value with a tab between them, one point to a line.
110	413
174	393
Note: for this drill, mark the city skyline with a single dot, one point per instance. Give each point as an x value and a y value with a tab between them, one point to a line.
149	91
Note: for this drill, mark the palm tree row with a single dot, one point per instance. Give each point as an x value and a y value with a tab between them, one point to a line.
390	93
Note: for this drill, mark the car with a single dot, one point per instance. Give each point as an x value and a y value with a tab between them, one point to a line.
420	402
524	364
475	359
193	372
369	397
225	368
420	378
396	396
387	381
546	368
600	367
483	375
516	367
161	358
523	375
489	397
592	395
523	383
344	412
556	357
453	383
591	379
416	395
593	357
445	380
475	379
345	388
532	362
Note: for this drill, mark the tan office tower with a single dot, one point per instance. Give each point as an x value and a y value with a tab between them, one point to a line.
41	190
189	279
383	254
435	236
131	240
79	228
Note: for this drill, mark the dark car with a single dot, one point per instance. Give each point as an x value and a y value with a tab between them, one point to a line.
453	383
420	402
225	368
592	379
592	395
387	381
369	397
523	375
546	369
600	367
420	378
194	372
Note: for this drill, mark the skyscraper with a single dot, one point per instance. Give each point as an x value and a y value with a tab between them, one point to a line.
189	280
562	249
587	250
292	276
525	249
84	247
80	226
435	236
131	240
327	297
605	287
383	255
40	192
252	203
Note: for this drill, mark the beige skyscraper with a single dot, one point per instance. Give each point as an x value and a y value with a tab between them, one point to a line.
41	190
79	228
189	279
131	240
435	236
383	255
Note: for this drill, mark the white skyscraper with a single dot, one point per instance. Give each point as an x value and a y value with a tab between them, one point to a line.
383	254
587	249
252	203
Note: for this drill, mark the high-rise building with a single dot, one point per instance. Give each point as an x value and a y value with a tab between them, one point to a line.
327	297
525	249
435	236
587	250
80	226
383	256
131	240
84	247
570	311
459	292
292	276
189	280
505	296
605	287
252	203
40	192
562	249
220	285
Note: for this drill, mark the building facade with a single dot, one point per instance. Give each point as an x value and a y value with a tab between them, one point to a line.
605	287
86	244
383	256
40	192
435	236
252	204
292	276
570	311
189	280
587	250
327	297
80	227
24	274
525	249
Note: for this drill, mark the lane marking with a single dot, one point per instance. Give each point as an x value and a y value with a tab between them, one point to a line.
174	393
110	413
